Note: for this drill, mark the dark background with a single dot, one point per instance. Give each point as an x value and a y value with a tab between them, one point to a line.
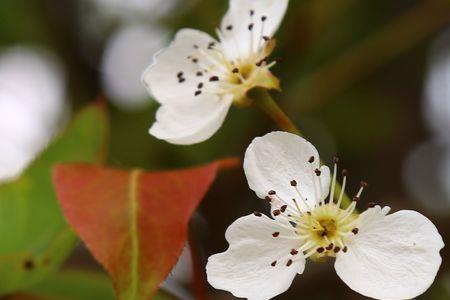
353	75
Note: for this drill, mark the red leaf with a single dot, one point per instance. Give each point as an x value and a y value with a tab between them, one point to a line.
135	223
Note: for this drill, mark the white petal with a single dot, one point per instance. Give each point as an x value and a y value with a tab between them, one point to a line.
239	41
245	268
274	160
392	257
162	77
193	122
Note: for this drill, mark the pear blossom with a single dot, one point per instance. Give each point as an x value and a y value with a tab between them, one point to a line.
377	254
32	106
197	78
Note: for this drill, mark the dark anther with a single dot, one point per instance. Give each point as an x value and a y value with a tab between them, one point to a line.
250	26
371	204
356	199
211	45
283	208
273	264
311	159
28	265
308	212
229	27
345	249
181	80
272	192
268	199
266	38
261	62
335	159
289	263
355	230
195	46
198	93
318	172
214	78
252	12
364	184
330	247
200	85
263	18
294	183
294	252
199	73
293	224
275	234
258	214
344	172
180	74
320	250
337	249
276	212
195	60
324	233
235	70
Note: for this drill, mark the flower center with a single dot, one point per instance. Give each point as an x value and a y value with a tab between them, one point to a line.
323	229
326	229
219	74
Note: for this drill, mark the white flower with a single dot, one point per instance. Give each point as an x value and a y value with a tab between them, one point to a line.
377	255
197	78
32	106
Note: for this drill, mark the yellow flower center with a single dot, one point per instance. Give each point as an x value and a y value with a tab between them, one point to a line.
326	229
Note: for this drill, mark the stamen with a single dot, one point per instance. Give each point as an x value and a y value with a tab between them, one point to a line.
355	231
344	182
275	234
333	183
274	263
250	28
363	186
258	214
308	207
314	181
289	263
261	34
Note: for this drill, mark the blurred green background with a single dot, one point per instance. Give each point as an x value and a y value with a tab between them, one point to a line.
354	77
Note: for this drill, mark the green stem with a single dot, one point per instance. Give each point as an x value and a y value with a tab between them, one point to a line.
264	101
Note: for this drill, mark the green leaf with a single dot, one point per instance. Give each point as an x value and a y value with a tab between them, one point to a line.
79	285
35	239
74	285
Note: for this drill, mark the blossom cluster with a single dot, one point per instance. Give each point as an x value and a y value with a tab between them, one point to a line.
377	254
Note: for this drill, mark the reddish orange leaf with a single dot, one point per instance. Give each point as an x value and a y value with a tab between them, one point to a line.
135	223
